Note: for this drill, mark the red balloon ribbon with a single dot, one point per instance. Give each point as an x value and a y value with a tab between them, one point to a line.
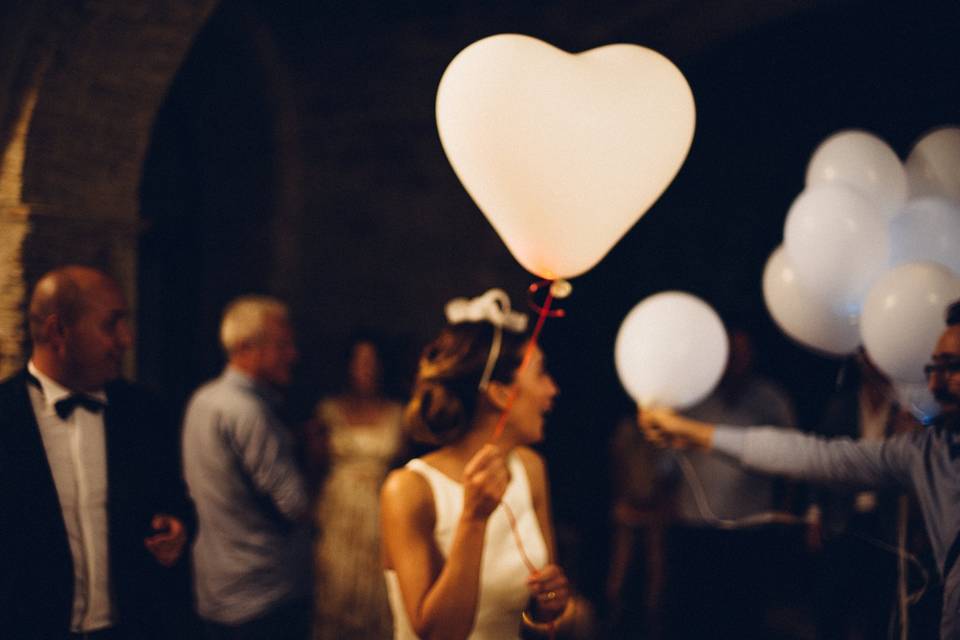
543	312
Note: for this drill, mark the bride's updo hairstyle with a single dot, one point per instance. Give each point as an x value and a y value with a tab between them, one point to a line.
454	370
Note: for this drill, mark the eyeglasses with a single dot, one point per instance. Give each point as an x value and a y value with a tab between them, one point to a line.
947	368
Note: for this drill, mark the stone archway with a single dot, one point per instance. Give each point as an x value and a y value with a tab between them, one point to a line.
219	197
79	89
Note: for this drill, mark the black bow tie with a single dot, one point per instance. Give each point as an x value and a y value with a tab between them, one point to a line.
65	406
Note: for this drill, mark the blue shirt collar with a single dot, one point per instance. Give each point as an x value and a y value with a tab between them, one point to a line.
241	379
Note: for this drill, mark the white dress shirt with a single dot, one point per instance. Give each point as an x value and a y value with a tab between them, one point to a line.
77	454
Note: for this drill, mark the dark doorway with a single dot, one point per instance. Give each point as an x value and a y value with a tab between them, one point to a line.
208	199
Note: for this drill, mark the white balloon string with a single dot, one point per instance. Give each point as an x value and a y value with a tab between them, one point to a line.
903	598
915	596
780	517
707	513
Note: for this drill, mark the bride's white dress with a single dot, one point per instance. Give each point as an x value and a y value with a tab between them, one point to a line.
503	574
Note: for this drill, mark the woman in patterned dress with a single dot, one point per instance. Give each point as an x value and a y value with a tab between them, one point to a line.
363	437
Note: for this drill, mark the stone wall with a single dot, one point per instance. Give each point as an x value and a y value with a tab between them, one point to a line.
80	83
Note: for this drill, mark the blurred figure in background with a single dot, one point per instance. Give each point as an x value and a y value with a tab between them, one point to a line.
252	553
355	437
730	572
857	580
641	511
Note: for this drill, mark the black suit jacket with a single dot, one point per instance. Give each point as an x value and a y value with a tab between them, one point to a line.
143	475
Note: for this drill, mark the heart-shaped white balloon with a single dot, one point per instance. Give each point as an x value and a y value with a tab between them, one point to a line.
563	152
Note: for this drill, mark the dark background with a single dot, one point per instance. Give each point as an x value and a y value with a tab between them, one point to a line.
297	154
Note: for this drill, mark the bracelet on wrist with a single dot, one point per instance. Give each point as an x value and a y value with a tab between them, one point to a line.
533	625
550	625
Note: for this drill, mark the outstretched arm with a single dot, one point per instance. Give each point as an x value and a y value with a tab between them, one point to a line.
785	452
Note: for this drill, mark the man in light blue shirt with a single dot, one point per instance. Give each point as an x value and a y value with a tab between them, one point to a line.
927	463
252	552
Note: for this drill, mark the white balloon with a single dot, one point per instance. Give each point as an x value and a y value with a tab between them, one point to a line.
802	314
863	161
926	229
903	317
838	242
671	350
563	153
933	166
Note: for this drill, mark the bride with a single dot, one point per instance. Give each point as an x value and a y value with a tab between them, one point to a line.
468	541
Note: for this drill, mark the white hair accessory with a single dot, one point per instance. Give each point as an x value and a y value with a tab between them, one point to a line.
492	307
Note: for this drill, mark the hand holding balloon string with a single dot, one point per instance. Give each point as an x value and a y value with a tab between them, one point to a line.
671	352
548	585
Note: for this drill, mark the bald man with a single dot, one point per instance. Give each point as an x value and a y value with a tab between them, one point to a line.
92	509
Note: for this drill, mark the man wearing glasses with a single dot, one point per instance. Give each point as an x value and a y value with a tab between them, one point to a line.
925	462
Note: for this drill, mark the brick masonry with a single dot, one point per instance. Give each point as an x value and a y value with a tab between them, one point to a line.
82	82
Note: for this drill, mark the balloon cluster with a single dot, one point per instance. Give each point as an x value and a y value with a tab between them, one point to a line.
871	250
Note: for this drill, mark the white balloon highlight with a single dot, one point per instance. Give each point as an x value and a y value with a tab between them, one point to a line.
903	317
927	229
863	161
933	166
671	350
838	242
563	153
802	314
